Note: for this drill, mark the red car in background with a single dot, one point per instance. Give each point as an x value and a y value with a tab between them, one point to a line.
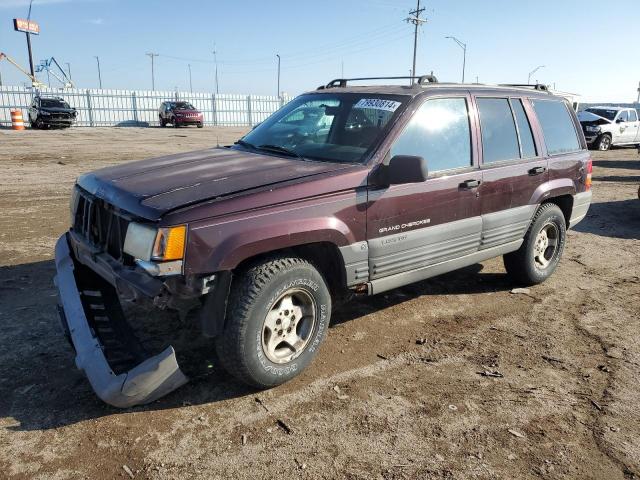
179	114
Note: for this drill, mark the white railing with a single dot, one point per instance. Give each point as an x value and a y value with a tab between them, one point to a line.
106	108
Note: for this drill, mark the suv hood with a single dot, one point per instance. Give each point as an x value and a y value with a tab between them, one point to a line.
589	118
57	109
151	188
177	112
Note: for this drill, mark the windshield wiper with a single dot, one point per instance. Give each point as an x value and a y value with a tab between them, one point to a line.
242	143
281	149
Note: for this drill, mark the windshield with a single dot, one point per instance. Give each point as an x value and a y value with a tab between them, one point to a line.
341	127
183	106
602	112
51	103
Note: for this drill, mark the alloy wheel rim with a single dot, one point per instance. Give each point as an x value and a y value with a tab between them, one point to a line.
288	326
604	144
546	245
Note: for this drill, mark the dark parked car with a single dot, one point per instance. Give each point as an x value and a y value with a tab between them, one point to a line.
346	190
46	112
179	114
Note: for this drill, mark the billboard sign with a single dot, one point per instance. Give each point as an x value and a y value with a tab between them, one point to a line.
27	26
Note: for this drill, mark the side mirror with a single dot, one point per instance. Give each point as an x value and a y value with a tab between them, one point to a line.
406	169
620	120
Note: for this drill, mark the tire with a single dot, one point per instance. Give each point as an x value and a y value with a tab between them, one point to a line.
603	143
163	124
537	259
258	309
37	124
175	123
200	125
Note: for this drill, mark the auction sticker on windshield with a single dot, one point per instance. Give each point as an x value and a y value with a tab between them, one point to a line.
377	104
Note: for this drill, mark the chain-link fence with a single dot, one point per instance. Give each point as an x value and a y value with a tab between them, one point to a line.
106	108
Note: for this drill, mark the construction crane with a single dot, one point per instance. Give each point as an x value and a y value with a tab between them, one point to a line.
47	66
34	81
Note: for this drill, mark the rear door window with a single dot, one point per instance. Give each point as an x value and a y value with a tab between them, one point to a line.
439	131
557	126
499	135
527	145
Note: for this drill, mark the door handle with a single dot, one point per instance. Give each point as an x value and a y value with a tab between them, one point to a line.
470	184
537	170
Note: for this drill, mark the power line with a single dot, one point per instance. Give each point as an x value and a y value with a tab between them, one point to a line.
414	18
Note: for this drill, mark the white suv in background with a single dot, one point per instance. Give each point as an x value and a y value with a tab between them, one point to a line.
607	126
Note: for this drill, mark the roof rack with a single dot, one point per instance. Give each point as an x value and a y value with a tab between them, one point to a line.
535	86
342	82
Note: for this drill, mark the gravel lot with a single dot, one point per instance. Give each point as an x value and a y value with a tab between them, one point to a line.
377	403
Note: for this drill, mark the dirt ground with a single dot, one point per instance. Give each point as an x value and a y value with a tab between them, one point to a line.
376	403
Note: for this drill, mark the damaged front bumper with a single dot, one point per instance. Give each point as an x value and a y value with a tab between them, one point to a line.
92	318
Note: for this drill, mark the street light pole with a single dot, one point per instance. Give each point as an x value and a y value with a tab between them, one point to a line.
99	74
532	72
215	60
464	54
278	74
190	83
153	76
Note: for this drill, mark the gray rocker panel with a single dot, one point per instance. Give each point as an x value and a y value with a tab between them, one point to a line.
405	278
400	252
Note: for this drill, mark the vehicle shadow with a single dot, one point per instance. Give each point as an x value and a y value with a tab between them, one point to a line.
41	388
618	178
624	164
616	219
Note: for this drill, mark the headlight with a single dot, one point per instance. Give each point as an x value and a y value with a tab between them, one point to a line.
144	242
593	128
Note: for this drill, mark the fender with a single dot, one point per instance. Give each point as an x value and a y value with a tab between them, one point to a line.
553	188
224	246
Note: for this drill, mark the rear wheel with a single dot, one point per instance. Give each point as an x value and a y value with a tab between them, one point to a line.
603	143
162	122
278	315
200	125
542	248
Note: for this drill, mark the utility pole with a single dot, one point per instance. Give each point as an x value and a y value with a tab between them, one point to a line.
68	69
190	83
99	74
277	55
637	101
342	69
532	72
415	19
215	60
464	54
153	76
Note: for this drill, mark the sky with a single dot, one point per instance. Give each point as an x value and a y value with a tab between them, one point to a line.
586	47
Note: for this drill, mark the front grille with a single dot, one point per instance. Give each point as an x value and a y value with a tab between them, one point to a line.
101	225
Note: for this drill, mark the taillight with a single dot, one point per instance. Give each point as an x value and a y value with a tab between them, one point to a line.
589	172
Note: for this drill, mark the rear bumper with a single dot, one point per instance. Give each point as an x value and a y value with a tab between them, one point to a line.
581	203
149	380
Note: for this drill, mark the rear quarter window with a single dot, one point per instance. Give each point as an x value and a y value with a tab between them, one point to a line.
560	135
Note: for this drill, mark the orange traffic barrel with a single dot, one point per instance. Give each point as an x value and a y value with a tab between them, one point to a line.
17	123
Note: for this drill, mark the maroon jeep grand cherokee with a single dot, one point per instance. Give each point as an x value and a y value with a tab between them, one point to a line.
347	189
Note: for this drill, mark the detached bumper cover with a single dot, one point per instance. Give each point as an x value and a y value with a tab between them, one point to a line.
153	378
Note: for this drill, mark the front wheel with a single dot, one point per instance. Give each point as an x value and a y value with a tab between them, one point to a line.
542	248
278	314
604	142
